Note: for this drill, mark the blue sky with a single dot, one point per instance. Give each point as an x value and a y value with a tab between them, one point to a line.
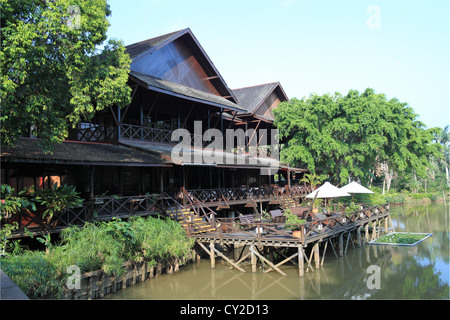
397	47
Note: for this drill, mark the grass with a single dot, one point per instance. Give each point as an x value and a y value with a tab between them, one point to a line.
405	238
96	245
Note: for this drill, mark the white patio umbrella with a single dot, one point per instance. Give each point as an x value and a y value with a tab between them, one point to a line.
355	187
327	190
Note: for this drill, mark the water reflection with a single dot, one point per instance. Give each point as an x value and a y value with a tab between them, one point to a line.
419	272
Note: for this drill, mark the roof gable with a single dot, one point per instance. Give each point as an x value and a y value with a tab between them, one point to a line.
260	98
178	57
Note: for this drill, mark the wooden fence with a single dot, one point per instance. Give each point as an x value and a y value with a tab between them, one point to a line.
101	209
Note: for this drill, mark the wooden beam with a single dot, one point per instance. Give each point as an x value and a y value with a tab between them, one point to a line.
255	252
282	262
128	106
151	108
234	264
256	129
192	108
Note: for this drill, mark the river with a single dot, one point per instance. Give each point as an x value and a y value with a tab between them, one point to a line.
369	272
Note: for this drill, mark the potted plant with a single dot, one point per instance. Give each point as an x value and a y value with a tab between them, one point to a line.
293	223
317	205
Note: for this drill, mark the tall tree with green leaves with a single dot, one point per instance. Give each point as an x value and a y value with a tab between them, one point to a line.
348	136
444	139
57	67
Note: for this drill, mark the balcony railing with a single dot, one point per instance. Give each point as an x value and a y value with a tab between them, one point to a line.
131	132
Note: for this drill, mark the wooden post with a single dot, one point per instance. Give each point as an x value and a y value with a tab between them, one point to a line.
212	255
253	258
386	225
91	191
366	229
341	244
300	262
316	255
358	233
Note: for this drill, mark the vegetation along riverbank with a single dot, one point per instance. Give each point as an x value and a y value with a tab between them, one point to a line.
109	248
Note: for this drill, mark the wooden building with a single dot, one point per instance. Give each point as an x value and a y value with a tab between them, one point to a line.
128	152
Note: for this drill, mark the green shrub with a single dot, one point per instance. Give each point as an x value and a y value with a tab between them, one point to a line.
33	273
96	245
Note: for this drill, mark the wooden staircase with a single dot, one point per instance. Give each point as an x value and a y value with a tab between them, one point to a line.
189	220
194	217
287	202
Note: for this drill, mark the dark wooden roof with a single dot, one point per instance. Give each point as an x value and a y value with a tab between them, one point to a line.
87	153
138	48
144	48
178	90
251	98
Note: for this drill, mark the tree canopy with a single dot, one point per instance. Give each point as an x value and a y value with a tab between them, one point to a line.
353	136
53	72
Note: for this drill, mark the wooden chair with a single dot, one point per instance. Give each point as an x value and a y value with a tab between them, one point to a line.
299	211
246	218
277	216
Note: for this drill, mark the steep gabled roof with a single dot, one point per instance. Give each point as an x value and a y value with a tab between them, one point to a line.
251	98
148	46
178	90
140	50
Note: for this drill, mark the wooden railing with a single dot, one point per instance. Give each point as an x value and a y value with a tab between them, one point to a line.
131	132
105	208
149	134
263	192
264	231
97	134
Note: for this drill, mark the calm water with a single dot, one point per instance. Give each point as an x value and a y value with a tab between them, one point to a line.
419	272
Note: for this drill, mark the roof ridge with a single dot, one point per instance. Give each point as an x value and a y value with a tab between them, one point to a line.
258	85
160	36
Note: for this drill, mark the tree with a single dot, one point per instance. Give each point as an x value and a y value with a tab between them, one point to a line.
444	139
348	136
53	74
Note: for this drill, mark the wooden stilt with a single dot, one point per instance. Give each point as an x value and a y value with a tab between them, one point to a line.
227	259
252	249
282	262
332	247
316	255
358	234
253	258
323	254
341	244
366	229
300	262
242	259
212	256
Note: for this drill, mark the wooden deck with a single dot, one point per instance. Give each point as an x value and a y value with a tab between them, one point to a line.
268	236
266	233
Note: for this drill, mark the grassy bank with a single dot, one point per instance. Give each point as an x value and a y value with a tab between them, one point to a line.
103	246
403	197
